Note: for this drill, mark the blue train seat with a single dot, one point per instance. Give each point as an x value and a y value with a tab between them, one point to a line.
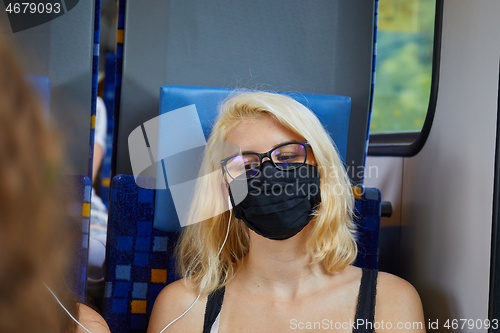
109	101
143	225
139	257
367	212
332	111
78	192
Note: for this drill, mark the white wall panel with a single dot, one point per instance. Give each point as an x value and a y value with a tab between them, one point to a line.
448	186
386	174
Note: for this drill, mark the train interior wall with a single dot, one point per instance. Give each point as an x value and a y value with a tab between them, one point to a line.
321	47
439	237
62	50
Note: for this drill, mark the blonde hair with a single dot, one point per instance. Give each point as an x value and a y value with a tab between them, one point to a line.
331	243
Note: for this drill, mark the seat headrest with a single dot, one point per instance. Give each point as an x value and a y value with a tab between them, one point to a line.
332	111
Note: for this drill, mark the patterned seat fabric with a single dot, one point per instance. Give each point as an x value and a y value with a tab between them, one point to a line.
140	258
78	191
143	224
367	218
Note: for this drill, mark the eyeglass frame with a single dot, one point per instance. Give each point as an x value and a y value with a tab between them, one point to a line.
261	156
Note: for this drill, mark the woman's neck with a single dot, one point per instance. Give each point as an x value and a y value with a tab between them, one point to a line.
280	267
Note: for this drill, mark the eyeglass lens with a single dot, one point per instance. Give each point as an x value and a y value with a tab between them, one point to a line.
286	157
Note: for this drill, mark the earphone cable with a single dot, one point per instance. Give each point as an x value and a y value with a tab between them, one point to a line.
66	310
198	297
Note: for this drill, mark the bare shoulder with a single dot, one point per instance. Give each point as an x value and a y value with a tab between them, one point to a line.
180	290
398	302
92	320
172	301
394	292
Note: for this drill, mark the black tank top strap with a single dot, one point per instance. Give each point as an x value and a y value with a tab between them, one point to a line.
365	311
212	310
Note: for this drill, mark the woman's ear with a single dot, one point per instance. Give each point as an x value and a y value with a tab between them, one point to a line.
225	192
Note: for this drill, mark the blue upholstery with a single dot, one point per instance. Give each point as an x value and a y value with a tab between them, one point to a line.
109	101
367	219
78	191
140	257
143	225
332	111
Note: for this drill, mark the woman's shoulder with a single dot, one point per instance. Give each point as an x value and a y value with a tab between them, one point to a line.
91	320
172	301
398	302
183	291
394	291
180	289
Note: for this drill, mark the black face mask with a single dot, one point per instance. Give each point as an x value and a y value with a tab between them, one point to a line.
279	203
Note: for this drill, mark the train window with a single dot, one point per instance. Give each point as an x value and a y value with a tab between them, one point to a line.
408	47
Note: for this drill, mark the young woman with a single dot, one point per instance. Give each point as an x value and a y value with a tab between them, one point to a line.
286	263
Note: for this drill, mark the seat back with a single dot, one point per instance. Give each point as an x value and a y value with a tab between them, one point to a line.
367	212
143	225
109	101
78	191
332	111
139	257
140	261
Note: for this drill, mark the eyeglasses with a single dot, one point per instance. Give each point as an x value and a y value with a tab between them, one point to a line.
287	156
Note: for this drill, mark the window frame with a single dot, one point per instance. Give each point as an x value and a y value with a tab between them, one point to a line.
408	144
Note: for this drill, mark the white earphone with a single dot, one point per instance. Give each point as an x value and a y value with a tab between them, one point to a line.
66	310
218	253
182	314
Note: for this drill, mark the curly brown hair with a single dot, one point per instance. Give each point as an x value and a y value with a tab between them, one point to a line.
35	236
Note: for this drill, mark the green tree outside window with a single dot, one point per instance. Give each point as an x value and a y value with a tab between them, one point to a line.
404	65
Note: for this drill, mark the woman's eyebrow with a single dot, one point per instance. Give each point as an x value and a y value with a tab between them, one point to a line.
276	145
248	152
